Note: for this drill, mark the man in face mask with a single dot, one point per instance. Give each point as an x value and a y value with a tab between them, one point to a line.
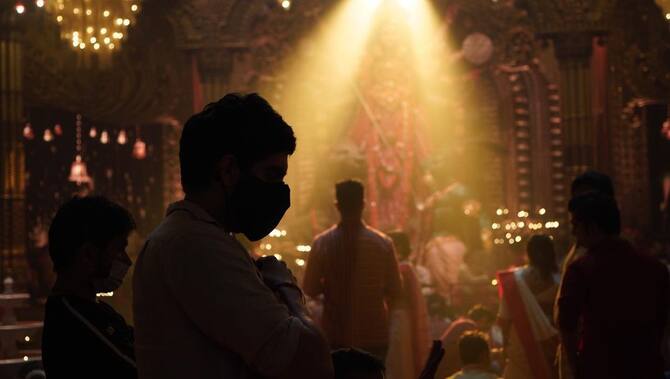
84	337
203	308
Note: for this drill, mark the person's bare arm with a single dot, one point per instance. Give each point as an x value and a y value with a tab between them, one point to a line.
312	282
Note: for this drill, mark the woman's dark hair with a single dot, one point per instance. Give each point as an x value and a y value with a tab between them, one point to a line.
541	255
244	126
597	209
592	181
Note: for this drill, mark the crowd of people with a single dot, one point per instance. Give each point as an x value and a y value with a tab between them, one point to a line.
203	307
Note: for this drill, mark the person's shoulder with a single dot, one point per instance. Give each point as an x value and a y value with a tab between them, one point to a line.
377	236
325	234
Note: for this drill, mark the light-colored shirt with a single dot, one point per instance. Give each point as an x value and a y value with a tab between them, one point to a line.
356	270
200	306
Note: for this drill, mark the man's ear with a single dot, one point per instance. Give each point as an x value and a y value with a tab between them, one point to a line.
227	171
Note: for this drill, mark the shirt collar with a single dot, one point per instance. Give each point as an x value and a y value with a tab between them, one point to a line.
194	209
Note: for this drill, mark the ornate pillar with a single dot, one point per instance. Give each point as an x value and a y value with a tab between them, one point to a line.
573	51
12	157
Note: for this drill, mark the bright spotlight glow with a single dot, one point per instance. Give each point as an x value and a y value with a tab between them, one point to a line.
286	4
39	3
20	8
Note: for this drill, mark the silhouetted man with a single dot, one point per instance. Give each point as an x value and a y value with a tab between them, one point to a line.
354	266
619	295
203	307
84	337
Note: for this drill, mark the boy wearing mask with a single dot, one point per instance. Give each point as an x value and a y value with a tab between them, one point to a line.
84	337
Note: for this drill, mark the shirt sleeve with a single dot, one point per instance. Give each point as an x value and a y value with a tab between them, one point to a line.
220	291
393	280
572	298
313	280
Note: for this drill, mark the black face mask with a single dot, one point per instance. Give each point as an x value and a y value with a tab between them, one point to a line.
258	206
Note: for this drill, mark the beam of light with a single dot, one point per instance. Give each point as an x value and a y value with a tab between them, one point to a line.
312	87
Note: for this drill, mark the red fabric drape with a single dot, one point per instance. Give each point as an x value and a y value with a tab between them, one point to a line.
509	292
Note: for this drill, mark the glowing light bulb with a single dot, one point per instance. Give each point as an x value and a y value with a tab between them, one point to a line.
93	39
104	137
107	40
39	3
278	256
25	358
300	262
126	22
20	8
93	132
111	46
286	4
27	339
103	31
667	16
89	12
59	18
96	46
75	11
82	46
494	282
89	30
119	21
542	211
122	139
134	7
105	13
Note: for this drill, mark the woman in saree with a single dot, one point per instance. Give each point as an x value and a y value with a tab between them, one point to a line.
526	306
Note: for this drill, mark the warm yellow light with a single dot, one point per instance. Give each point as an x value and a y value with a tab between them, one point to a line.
89	12
111	46
119	21
61	6
286	4
75	10
300	262
134	7
75	42
20	8
25	358
59	18
27	339
667	16
90	30
542	211
494	282
96	46
105	13
93	39
82	45
126	22
103	31
278	256
39	3
107	40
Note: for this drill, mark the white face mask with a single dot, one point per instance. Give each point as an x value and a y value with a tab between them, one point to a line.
113	281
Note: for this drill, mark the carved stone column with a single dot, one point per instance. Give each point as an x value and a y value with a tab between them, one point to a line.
573	51
12	157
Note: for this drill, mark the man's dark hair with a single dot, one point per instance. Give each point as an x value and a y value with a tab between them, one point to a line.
597	209
479	312
592	181
80	220
541	255
402	244
349	195
244	126
472	347
348	362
